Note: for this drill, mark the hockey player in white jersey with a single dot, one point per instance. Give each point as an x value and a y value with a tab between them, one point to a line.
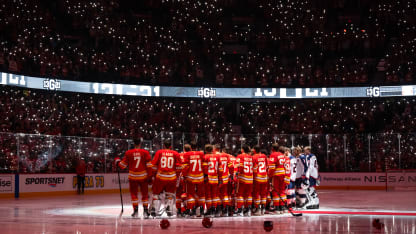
302	180
313	200
291	195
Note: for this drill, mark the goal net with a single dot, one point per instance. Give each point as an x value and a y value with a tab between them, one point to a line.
401	180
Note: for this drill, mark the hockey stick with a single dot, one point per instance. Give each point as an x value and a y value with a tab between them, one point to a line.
287	207
121	196
178	181
285	202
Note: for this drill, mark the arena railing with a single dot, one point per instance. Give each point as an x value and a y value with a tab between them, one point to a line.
35	153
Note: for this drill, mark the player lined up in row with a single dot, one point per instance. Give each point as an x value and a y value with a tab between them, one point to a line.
215	183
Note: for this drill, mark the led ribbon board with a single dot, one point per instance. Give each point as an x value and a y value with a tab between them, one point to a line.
203	92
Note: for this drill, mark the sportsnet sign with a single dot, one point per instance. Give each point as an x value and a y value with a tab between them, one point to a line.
43	182
30	183
51	181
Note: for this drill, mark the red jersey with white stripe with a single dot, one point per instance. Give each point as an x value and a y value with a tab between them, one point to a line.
136	160
234	166
245	168
226	167
167	163
210	165
276	166
192	163
181	165
287	169
261	165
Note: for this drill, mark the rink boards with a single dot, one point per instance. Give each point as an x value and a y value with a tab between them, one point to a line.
25	185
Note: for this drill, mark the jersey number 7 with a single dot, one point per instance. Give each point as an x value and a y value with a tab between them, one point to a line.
137	158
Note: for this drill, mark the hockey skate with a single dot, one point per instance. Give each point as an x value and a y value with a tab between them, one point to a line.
179	214
153	212
231	210
169	211
257	211
200	211
208	213
239	212
280	210
263	210
246	212
145	213
224	212
313	199
268	209
218	211
190	213
135	212
316	206
284	210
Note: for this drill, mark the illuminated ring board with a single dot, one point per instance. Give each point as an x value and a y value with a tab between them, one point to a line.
56	84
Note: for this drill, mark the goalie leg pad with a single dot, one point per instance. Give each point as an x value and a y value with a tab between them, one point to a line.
313	199
302	197
170	202
156	205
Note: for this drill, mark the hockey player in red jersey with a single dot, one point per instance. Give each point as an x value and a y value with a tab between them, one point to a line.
287	175
226	168
245	181
194	175
180	188
232	194
211	171
277	176
269	206
137	161
260	180
166	164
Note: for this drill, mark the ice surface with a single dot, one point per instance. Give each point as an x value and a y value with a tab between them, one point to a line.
341	212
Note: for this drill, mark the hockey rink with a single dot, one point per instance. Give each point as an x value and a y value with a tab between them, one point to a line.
341	211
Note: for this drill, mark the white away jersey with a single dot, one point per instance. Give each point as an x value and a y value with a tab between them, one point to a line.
313	166
293	162
302	167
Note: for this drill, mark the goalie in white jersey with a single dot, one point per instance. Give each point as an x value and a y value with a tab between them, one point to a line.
312	172
302	179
